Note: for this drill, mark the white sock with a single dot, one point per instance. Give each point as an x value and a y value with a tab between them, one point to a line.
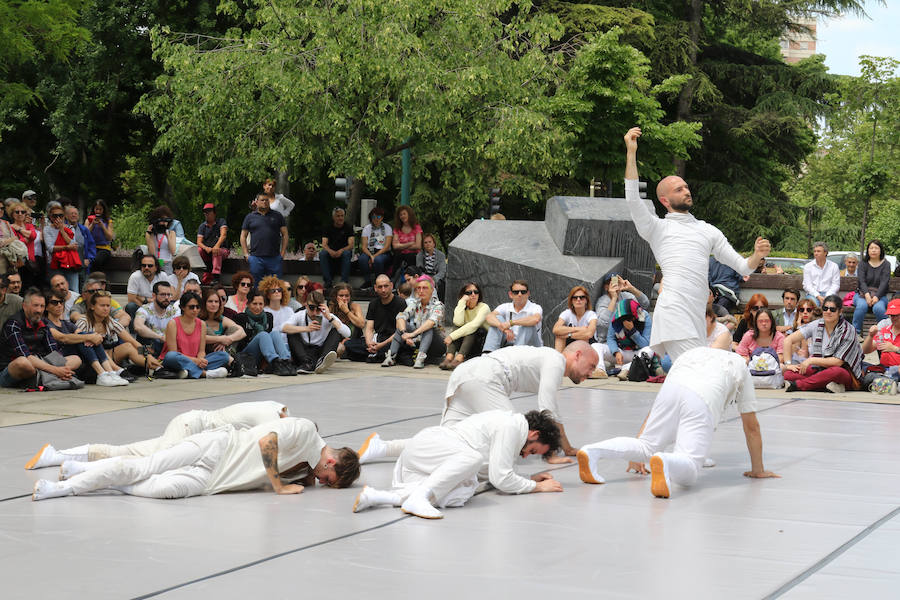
419	504
372	449
79	453
44	489
71	468
370	497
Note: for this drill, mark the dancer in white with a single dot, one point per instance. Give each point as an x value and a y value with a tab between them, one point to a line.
682	245
443	466
486	383
242	415
225	459
701	383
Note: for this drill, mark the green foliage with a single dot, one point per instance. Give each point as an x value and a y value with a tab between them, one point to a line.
129	224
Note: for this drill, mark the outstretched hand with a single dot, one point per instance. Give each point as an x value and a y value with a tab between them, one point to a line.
631	139
762	247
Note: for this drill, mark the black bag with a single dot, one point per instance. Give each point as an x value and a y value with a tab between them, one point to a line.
641	368
248	363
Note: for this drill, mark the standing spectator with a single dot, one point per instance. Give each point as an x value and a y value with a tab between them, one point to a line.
87	249
15	283
337	247
349	312
835	356
314	334
421	324
100	225
761	335
13	252
161	238
242	281
469	317
301	288
62	246
851	262
276	294
874	279
28	344
10	303
181	275
211	236
261	340
185	347
310	252
615	288
221	332
407	238
381	323
140	284
515	323
786	316
756	303
433	263
116	339
151	319
60	286
375	247
277	202
821	277
577	322
25	233
268	240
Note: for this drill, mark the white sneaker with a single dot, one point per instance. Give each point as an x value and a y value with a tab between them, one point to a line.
388	360
836	388
372	449
217	373
420	361
104	379
585	470
119	379
44	489
45	457
420	506
370	497
325	362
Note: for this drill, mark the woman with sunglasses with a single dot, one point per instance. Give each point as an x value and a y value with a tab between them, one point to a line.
349	312
807	312
61	246
314	334
418	324
469	317
185	349
757	301
277	295
116	339
577	322
242	282
261	341
181	274
27	234
835	356
301	288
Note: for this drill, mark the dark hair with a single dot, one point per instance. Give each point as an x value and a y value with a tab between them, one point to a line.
880	247
333	304
160	284
346	467
772	329
240	275
462	289
204	314
97	276
160	213
834	299
710	312
412	217
376	211
790	291
315	297
181	261
519	282
253	294
545	425
187	297
104	205
405	288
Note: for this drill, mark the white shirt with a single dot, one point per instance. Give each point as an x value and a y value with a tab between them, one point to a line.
316	338
681	244
279	318
70	302
719	377
508	312
718	330
376	237
570	320
138	284
241	466
245	415
282	204
499	436
821	281
518	369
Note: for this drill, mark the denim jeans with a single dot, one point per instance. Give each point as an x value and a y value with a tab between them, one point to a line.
381	264
861	307
176	361
268	345
327	262
527	336
260	266
425	340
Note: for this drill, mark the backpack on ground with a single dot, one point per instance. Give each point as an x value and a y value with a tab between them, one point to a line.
765	369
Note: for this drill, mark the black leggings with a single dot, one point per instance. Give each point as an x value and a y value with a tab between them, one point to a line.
306	354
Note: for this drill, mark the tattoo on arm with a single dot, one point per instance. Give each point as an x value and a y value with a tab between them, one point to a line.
270	455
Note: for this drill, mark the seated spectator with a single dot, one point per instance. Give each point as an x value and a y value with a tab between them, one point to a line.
140	284
375	247
117	342
718	309
185	349
786	316
408	275
515	323
821	277
276	294
261	341
221	332
469	316
717	335
433	263
25	232
310	252
314	334
851	262
87	346
872	292
211	236
192	285
577	322
761	335
181	275
407	239
725	283
629	332
62	246
420	325
10	303
28	346
15	283
298	301
100	226
349	312
96	282
337	247
381	323
835	356
884	337
757	302
151	319
405	290
242	282
59	285
807	312
615	288
161	238
277	202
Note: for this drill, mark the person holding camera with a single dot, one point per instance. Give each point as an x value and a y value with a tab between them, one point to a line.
313	335
62	246
101	229
160	238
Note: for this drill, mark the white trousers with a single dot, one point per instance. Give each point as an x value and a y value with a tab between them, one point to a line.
179	428
177	472
675	348
436	460
474	397
678	415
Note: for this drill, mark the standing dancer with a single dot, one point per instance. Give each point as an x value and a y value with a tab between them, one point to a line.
702	382
682	245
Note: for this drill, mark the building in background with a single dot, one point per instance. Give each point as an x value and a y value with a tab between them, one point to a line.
797	45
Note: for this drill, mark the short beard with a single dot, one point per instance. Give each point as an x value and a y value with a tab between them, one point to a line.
680	207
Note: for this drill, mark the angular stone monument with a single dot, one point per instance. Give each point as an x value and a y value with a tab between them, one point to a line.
580	241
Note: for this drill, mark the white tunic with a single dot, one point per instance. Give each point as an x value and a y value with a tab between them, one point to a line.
245	415
719	377
681	244
241	466
515	369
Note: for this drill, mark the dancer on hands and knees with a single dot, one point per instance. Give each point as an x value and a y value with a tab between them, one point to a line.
443	466
698	388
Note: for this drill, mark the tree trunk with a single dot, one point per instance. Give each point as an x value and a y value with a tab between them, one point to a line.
686	97
863	254
282	185
356	194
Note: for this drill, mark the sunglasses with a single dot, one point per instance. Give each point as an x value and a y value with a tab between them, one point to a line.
301	287
755	308
312	307
830	309
806	309
518	292
180	268
56	216
471	292
579	297
192	307
147	266
275	290
20	212
55	302
245	284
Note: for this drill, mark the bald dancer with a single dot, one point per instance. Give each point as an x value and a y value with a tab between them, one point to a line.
242	415
487	382
682	245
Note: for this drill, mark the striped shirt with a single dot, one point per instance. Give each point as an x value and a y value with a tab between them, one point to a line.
842	343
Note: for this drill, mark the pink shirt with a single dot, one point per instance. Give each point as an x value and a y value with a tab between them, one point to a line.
189	345
405	238
748	344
